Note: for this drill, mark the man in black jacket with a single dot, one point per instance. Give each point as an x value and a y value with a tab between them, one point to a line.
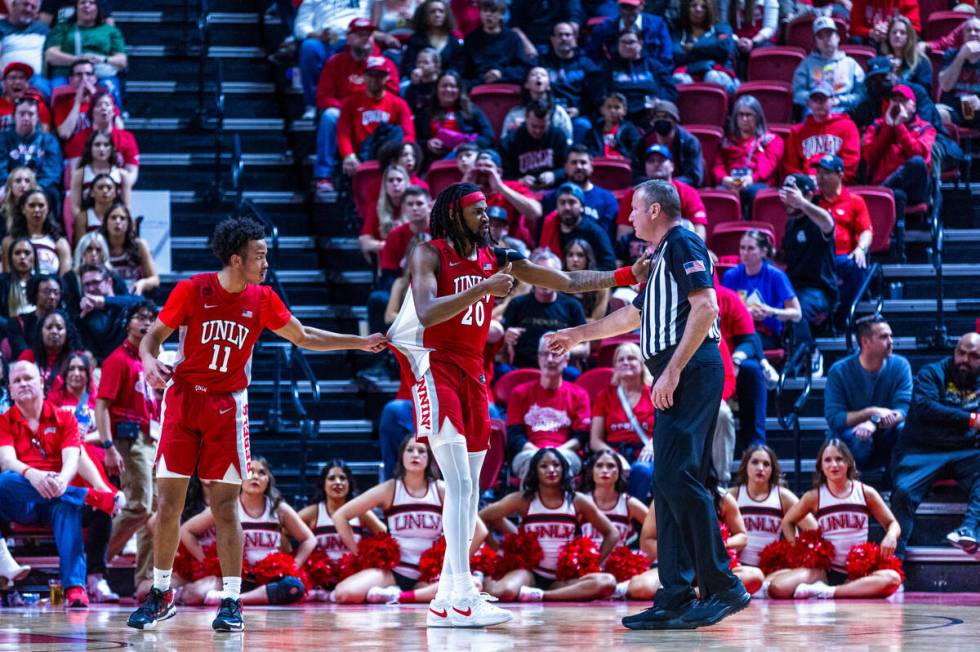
570	70
535	153
493	53
940	439
102	322
663	128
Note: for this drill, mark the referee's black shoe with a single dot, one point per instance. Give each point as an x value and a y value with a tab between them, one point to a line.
660	617
717	606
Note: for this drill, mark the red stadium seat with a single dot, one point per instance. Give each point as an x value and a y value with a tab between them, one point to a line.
702	103
710	137
595	380
776	99
799	31
881	208
505	385
777	63
442	174
612	173
780	129
721	205
366	182
930	7
768	209
495	100
942	23
608	346
724	238
860	53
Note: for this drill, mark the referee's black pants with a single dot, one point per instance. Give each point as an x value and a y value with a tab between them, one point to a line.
689	541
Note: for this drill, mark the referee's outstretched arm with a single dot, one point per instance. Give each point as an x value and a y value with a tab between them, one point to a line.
624	320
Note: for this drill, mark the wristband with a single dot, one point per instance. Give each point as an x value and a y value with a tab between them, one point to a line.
23	473
624	276
973	420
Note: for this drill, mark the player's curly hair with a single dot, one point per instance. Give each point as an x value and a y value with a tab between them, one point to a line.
232	235
447	215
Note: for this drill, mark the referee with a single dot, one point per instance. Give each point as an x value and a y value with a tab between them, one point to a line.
676	314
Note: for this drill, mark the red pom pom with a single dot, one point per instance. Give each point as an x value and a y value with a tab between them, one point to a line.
624	564
210	566
864	559
321	570
576	558
483	561
725	536
892	563
811	550
520	550
775	556
430	562
346	566
184	564
273	568
379	551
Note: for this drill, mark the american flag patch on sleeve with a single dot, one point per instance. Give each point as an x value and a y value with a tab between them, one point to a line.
694	266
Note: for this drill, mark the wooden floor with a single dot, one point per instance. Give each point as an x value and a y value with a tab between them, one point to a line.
935	622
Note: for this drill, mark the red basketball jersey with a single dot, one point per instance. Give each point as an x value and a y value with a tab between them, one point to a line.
218	330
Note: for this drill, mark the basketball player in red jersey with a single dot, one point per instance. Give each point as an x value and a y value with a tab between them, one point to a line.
205	407
439	337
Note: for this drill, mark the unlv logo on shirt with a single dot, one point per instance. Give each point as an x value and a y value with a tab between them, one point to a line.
821	144
552	530
266	539
416	521
224	330
761	524
374	116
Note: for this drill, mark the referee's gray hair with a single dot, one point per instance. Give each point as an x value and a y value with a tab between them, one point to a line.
658	191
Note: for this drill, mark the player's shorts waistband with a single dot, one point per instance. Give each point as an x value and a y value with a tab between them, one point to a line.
200	389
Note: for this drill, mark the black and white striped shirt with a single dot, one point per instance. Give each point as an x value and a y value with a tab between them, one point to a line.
680	265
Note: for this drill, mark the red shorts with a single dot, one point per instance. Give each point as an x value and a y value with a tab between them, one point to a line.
204	432
446	393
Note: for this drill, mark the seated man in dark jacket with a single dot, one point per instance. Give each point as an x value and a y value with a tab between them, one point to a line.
636	77
652	30
492	53
101	322
940	440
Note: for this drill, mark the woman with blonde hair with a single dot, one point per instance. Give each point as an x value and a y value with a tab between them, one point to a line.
19	181
902	45
386	214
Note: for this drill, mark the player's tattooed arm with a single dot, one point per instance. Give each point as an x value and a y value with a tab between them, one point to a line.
578	281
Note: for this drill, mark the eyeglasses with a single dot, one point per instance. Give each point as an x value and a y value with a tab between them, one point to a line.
40	447
49	292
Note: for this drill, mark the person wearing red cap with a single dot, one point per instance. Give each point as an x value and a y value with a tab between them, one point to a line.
22	38
823	132
16	78
897	149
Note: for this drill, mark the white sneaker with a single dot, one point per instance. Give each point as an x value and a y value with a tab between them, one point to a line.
530	594
383	595
817	589
763	592
309	113
438	614
130	547
98	590
476	611
816	364
621	589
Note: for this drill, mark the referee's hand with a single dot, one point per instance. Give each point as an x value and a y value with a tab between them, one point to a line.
663	390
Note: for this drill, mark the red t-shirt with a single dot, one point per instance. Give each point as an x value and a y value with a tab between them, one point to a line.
125	388
851	219
125	142
218	330
361	114
549	416
62	107
692	208
56	430
392	257
735	319
516	223
618	429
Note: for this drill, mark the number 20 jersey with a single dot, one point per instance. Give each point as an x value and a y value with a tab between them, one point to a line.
218	330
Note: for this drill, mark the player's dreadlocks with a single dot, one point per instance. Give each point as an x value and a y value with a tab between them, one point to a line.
447	216
232	235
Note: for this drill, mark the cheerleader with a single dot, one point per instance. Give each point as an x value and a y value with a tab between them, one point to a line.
412	505
602	480
264	516
549	507
762	500
841	505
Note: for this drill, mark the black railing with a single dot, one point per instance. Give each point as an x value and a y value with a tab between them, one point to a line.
219	124
875	275
937	232
204	36
237	171
789	420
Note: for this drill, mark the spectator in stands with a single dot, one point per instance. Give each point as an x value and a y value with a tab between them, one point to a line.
852	229
570	70
70	111
828	65
35	220
534	20
103	193
101	116
54	341
13	284
434	27
44	292
547	413
102	323
634	76
492	53
822	132
86	36
959	77
387	213
535	152
623	415
92	249
747	160
22	38
600	204
316	28
754	23
513	196
57	11
421	89
344	75
537	86
531	315
451	119
901	45
124	409
809	252
871	20
940	439
659	164
569	222
34	485
613	136
500	232
28	145
704	48
867	396
407	154
19	181
652	29
129	254
663	128
98	157
578	255
897	149
879	80
16	86
371	118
